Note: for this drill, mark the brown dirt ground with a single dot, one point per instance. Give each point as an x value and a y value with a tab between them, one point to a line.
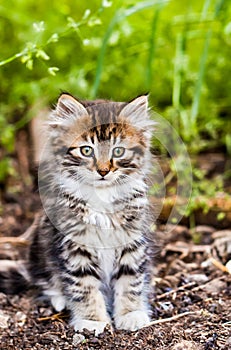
189	280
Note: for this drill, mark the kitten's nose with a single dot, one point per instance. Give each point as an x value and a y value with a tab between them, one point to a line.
103	172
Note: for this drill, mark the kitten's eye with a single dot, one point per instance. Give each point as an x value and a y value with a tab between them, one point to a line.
87	151
118	152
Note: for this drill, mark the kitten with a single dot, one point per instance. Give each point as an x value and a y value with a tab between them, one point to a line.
89	253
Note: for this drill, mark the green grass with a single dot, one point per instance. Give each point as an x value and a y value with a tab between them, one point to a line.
177	51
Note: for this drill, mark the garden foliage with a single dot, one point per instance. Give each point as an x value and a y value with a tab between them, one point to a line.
178	51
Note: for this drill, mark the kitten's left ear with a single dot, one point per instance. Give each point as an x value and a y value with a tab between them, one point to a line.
136	110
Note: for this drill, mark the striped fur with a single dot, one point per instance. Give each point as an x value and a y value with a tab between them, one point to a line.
89	254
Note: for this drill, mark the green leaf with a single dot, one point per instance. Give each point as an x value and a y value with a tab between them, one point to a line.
71	23
86	14
53	39
220	216
8	136
53	70
228	143
94	21
29	64
106	3
39	26
42	54
25	58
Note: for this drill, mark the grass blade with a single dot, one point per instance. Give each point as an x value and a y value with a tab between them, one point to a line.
199	83
120	14
152	48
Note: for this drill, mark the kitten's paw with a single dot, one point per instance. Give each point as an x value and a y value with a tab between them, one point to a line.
97	326
58	302
132	320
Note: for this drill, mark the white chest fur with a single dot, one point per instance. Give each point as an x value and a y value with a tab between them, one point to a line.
107	261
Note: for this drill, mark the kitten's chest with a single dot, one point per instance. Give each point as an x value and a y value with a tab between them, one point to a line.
105	240
107	261
103	220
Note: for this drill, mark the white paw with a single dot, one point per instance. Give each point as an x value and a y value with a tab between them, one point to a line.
132	320
97	326
58	302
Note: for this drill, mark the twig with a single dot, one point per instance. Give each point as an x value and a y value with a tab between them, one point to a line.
181	288
185	248
54	317
14	240
26	237
28	234
170	319
219	265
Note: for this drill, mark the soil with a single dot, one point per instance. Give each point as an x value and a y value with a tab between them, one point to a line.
190	288
190	298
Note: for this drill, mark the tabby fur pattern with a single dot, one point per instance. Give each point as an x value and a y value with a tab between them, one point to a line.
89	253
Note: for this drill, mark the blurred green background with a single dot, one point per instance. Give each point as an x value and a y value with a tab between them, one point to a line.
178	51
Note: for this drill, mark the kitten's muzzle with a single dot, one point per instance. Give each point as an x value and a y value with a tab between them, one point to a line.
103	172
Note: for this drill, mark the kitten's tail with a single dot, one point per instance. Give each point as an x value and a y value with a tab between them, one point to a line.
14	276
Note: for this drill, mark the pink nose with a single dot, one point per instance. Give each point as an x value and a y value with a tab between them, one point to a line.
103	172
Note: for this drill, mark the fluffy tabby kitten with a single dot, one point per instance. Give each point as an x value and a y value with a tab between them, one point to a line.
89	253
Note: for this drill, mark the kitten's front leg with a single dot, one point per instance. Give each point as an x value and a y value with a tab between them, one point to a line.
84	298
88	308
130	304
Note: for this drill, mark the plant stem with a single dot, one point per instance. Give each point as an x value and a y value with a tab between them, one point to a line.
177	75
12	58
152	48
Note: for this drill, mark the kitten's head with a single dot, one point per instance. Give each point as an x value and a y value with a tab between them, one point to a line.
101	143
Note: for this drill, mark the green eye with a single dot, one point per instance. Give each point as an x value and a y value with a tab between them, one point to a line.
87	151
118	152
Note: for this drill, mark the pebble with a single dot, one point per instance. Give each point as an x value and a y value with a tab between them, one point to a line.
204	229
77	339
187	345
222	234
95	340
20	318
45	312
214	286
198	277
3	299
3	319
167	306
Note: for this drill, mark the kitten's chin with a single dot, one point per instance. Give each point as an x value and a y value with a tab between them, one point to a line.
102	183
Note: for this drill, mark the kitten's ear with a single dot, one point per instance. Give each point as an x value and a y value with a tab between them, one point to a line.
68	105
136	110
67	110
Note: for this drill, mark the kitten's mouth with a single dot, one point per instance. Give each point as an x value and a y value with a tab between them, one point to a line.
102	182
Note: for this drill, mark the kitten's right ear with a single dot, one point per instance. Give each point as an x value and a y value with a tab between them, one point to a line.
68	108
68	105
